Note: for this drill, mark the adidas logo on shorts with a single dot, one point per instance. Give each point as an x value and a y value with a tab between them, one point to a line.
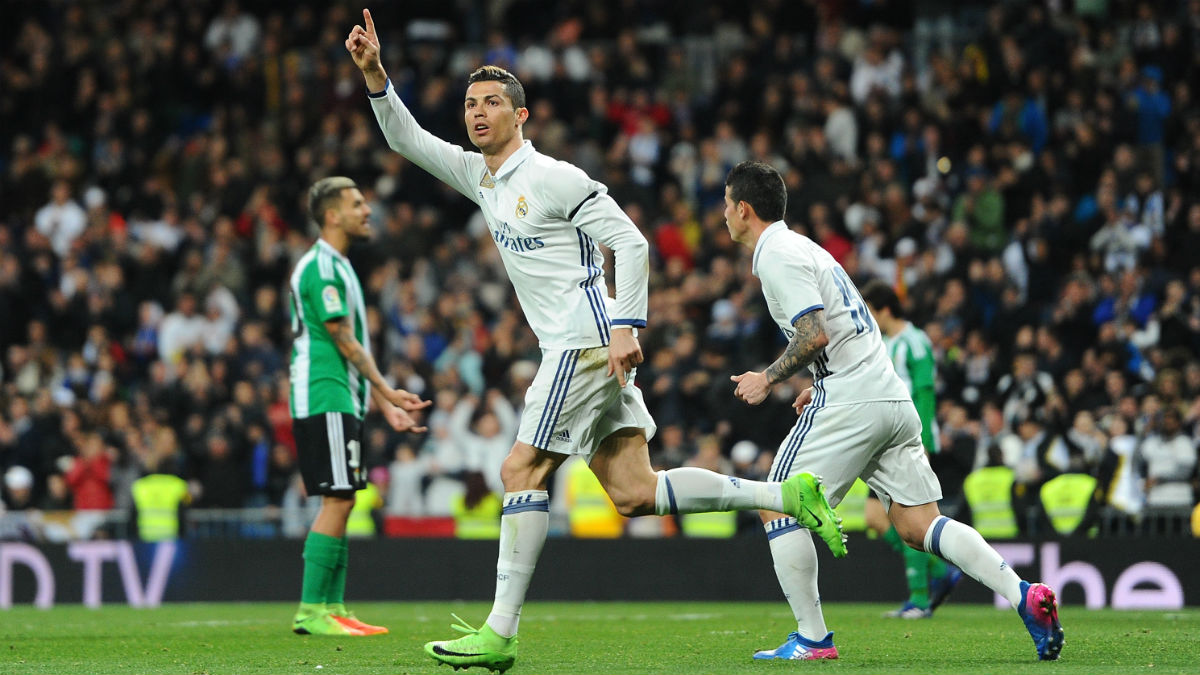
563	436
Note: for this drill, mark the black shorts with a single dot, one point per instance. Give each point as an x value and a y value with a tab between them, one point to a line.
330	449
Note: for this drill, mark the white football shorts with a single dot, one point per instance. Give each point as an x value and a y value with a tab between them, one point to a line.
573	404
879	441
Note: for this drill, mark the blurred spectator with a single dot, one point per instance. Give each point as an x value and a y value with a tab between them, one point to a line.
90	473
181	330
62	220
1169	455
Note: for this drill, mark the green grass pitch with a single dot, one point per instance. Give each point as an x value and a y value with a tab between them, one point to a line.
586	638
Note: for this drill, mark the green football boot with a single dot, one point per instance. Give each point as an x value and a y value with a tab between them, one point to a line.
316	620
804	500
478	647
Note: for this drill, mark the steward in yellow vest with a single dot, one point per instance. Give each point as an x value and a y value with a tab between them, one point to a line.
477	511
853	508
1066	499
591	513
989	493
361	522
158	499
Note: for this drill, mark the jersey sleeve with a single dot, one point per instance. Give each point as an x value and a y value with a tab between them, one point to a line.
586	205
791	280
447	162
921	371
324	299
920	366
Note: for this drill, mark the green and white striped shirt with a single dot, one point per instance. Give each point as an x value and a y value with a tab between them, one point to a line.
911	352
324	287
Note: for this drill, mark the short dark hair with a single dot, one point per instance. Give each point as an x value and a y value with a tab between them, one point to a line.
512	86
759	185
324	195
879	294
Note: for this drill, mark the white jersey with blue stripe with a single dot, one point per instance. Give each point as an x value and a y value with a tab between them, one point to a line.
546	217
798	277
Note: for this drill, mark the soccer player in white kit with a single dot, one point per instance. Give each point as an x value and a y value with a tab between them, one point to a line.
857	420
547	218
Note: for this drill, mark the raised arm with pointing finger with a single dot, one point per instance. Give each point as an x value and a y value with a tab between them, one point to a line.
546	216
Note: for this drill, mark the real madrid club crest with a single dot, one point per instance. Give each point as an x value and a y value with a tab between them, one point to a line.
522	207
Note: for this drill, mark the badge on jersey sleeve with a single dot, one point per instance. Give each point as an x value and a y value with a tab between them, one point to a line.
333	301
522	207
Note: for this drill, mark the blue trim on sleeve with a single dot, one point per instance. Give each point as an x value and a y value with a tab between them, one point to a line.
805	311
636	323
380	94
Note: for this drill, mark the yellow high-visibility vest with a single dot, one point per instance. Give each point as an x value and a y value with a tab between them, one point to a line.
360	523
1066	499
480	522
711	525
591	512
853	507
157	497
989	493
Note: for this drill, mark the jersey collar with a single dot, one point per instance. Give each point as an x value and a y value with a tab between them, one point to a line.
329	247
514	160
762	238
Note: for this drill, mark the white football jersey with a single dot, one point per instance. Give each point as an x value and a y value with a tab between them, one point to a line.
798	277
546	217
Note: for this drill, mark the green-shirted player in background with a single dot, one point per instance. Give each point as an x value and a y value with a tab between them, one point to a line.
930	579
332	371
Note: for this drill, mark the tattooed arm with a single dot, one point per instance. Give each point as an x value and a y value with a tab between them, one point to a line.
343	336
807	342
802	349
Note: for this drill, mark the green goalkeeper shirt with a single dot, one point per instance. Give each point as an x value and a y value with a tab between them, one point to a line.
324	287
911	352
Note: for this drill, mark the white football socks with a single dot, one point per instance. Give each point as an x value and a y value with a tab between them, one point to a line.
692	490
523	526
796	566
963	546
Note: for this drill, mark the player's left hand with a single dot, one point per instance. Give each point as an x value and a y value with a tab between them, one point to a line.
802	399
363	45
752	387
399	419
624	354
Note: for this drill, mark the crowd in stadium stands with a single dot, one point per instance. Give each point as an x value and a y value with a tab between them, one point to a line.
1028	178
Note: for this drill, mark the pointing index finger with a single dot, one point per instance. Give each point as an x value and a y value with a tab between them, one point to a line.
370	23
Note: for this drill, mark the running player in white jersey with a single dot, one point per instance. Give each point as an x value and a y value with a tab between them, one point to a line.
547	218
857	420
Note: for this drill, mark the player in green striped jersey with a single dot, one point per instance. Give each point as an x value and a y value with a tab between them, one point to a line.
930	579
332	373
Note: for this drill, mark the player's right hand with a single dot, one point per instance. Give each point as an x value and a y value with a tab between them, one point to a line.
363	45
405	400
803	399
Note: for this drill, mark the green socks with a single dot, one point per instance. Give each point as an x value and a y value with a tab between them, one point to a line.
335	593
322	554
936	567
892	537
919	568
918	579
